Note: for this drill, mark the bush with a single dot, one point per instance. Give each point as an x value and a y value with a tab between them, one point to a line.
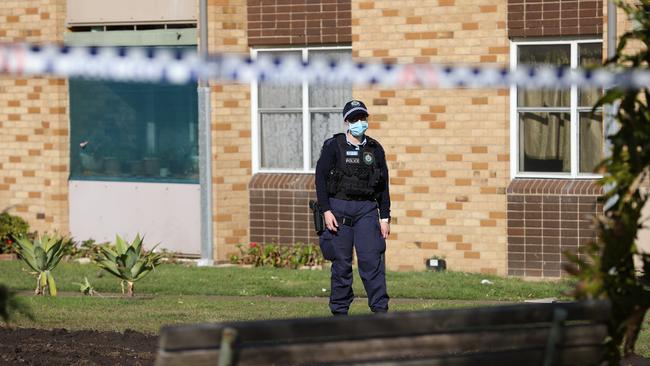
279	256
86	249
11	227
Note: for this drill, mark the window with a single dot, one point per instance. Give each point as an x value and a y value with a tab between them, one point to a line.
554	132
290	122
133	131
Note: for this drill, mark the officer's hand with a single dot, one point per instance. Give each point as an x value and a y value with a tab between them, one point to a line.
385	229
330	221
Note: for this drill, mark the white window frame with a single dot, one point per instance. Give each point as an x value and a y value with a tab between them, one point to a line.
306	115
573	110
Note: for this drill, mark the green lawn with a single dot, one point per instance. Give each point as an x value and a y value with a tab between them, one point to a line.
148	314
180	294
233	281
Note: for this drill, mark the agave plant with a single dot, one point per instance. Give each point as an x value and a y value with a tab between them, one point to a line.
86	288
129	261
43	255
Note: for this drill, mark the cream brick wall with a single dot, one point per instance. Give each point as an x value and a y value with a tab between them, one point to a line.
448	150
34	123
231	132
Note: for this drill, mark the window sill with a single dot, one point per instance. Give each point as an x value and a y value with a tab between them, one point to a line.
556	176
562	187
133	180
283	171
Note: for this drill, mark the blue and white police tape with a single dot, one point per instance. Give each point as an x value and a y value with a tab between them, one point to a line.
182	66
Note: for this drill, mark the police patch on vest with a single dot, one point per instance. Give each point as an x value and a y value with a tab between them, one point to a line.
352	153
368	158
352	160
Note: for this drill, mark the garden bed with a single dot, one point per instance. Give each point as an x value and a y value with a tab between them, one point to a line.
29	346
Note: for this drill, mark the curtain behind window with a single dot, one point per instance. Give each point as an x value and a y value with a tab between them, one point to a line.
591	138
281	115
545	138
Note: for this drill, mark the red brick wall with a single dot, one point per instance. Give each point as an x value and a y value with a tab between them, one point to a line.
547	217
299	22
536	18
279	208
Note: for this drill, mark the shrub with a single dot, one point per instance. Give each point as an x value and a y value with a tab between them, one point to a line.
87	249
11	227
606	267
279	256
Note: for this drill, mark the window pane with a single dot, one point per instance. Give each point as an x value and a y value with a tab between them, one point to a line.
557	55
279	96
133	131
330	96
591	141
323	126
591	55
281	140
545	142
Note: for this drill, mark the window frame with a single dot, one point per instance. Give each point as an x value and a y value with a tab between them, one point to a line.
573	109
305	110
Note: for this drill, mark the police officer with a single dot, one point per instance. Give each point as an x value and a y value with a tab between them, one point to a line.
352	191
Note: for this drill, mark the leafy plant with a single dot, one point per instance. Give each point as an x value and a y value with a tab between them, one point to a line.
86	249
606	270
86	288
281	256
11	227
42	255
9	304
128	261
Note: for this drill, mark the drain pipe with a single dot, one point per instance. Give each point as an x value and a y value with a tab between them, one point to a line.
611	28
205	147
610	109
610	127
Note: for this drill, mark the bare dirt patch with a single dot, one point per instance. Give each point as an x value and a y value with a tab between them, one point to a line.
28	346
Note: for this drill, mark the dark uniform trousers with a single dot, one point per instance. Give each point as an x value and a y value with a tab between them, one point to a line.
365	236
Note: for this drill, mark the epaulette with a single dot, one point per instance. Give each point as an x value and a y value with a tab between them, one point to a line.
372	141
332	139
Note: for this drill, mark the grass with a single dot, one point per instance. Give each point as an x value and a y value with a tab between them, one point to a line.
149	314
176	294
233	281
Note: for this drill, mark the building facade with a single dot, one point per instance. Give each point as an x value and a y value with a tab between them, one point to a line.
497	181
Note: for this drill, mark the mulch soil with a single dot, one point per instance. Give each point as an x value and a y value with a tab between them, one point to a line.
27	346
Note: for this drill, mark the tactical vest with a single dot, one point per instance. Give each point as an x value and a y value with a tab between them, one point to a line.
356	174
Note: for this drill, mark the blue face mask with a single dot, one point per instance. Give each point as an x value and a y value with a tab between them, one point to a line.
357	129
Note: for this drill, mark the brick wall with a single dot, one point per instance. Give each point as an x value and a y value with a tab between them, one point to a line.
279	208
298	22
447	149
537	18
547	217
231	132
33	119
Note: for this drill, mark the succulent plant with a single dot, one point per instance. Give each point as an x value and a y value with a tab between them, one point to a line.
128	261
42	255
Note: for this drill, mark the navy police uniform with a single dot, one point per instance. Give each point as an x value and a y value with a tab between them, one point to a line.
352	182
